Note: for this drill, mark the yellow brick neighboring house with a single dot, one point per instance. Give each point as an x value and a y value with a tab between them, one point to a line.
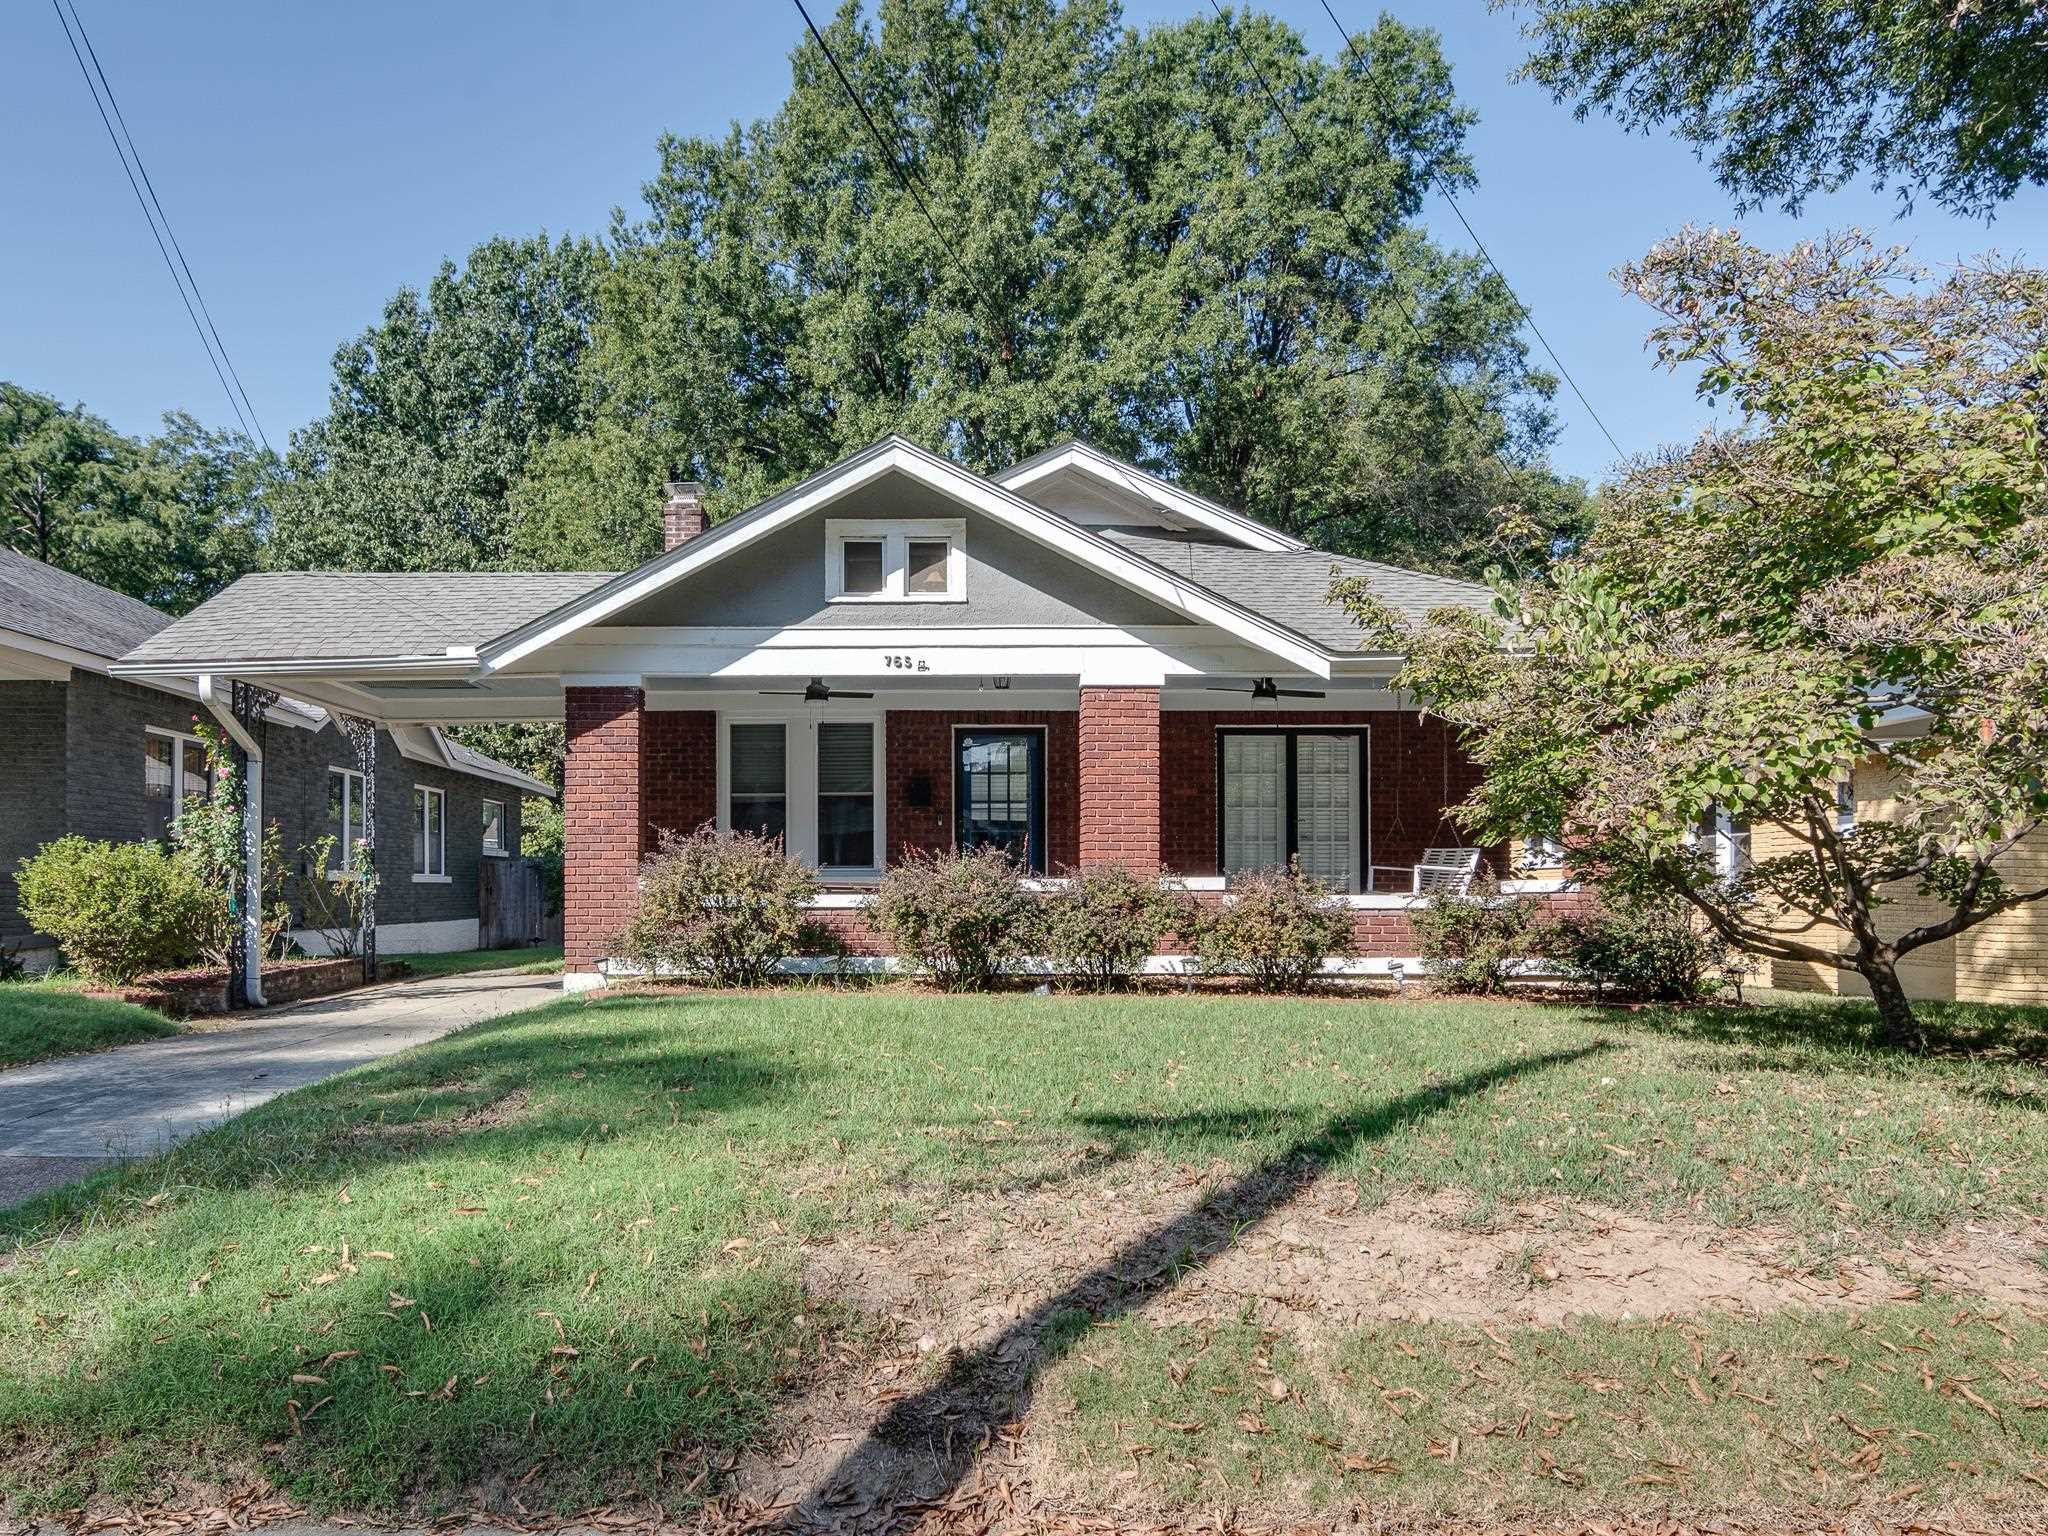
2001	960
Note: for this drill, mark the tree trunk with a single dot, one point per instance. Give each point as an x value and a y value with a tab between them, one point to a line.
1897	1029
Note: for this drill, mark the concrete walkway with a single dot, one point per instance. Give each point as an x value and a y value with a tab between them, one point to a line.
60	1119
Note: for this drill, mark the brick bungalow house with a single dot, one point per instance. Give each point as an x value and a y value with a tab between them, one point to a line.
1073	659
114	758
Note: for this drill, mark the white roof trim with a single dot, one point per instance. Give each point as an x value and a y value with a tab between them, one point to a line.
1125	479
426	744
897	455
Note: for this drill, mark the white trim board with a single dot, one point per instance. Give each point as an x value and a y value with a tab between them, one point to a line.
1127	482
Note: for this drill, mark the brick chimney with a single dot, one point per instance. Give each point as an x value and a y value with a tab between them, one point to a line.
682	516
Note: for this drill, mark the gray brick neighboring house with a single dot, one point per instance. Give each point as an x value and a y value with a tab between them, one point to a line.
109	758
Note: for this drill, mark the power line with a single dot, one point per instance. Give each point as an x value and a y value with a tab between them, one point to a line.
1444	189
145	203
860	106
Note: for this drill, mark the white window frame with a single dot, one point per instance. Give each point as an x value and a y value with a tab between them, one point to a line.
494	850
352	825
437	850
179	740
800	780
895	538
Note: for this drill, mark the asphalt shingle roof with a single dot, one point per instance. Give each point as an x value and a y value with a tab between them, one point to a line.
1292	587
313	615
41	601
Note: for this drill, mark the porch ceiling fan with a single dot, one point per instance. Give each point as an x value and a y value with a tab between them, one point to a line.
816	691
1266	688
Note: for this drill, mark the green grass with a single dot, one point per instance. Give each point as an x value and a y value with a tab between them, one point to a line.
534	960
39	1019
559	1250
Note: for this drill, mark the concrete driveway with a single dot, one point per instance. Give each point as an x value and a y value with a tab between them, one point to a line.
61	1119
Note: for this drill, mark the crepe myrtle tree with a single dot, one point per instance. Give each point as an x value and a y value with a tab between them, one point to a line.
1859	563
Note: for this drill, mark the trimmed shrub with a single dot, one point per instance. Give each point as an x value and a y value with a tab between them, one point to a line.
723	907
963	919
117	910
1275	928
1644	949
1473	941
1102	925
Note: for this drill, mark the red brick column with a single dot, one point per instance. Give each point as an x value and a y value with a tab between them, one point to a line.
1120	777
602	824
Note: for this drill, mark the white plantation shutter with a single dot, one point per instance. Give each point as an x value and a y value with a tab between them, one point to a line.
846	758
757	760
1326	808
1254	802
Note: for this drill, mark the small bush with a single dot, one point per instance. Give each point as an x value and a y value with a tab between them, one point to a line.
333	896
962	918
1472	941
1276	929
720	906
1652	951
1104	923
117	910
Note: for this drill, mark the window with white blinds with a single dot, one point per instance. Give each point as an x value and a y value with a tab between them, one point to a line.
1293	795
758	771
846	794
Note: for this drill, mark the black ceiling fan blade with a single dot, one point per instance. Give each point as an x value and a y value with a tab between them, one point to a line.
842	693
780	693
1219	688
1300	693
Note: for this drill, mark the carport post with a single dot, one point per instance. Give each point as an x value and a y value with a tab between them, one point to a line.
241	715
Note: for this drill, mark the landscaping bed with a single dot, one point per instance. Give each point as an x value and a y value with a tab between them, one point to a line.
1139	1259
204	990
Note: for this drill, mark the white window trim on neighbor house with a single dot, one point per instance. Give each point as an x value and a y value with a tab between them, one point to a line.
895	537
494	842
352	825
800	781
436	847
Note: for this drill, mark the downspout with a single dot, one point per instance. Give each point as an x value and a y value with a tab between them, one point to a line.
248	897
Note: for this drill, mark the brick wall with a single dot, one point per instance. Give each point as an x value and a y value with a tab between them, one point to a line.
1414	769
1120	782
104	728
919	745
603	826
31	788
679	771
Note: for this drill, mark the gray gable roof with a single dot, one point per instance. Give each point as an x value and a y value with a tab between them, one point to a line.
313	615
45	603
1292	587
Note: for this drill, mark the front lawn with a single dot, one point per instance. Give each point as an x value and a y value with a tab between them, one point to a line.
41	1018
532	960
1142	1255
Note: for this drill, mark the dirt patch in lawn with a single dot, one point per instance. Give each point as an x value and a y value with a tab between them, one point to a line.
1326	1260
492	1114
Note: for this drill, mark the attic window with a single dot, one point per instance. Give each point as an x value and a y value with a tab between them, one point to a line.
868	561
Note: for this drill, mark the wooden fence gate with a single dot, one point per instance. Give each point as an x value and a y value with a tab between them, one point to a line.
510	908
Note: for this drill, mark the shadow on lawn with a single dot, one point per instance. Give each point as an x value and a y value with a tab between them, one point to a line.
1955	1031
928	1444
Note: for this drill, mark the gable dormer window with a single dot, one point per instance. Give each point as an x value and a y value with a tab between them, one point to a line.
873	561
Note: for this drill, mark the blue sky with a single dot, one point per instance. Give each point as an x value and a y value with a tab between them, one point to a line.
314	158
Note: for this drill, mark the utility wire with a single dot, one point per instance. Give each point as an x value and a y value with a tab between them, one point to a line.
1444	188
146	203
860	106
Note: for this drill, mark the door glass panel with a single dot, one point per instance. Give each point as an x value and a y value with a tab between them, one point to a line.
999	795
846	795
1326	808
759	771
1254	802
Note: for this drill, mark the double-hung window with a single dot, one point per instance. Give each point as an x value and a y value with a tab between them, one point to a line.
345	815
846	794
1287	795
811	783
429	833
874	561
173	771
758	773
494	826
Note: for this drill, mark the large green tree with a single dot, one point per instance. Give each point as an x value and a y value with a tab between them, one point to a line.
1860	565
1126	242
169	519
435	410
1791	97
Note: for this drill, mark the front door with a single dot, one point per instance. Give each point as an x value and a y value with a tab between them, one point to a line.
999	794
